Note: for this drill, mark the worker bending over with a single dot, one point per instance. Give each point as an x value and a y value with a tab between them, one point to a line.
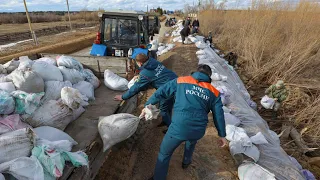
279	93
154	74
195	97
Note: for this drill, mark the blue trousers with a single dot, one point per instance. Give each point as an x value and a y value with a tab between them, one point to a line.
168	145
166	110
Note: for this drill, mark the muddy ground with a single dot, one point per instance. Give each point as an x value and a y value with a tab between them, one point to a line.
137	160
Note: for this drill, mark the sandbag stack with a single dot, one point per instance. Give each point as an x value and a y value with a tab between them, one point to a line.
44	93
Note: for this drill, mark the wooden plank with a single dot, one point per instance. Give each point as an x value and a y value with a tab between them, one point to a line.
85	132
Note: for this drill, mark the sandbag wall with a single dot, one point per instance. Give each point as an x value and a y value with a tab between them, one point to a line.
247	132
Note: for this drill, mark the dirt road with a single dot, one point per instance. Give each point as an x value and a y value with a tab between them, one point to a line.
136	159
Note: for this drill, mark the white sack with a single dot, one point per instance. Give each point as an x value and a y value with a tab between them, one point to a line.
252	171
237	134
69	62
26	103
7	103
53	90
25	63
48	72
77	112
23	168
73	98
237	147
12	123
16	144
7	86
193	39
63	145
201	45
2	69
170	46
151	112
267	102
53	134
187	41
161	48
231	119
115	82
91	78
216	77
71	75
11	65
53	113
116	128
177	39
47	60
86	89
259	139
27	81
200	52
131	82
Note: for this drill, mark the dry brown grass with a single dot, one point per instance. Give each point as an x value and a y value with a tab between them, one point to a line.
275	41
83	15
20	18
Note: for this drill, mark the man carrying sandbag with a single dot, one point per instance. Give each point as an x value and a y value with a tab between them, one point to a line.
152	73
279	93
195	97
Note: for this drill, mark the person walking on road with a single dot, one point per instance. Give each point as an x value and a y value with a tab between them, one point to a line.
184	33
279	93
154	74
195	97
195	26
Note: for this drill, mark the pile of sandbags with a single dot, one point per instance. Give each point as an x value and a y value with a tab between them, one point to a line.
39	94
164	48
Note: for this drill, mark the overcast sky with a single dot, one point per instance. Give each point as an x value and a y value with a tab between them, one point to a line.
76	5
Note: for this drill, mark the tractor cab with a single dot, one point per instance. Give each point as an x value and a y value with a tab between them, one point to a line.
121	32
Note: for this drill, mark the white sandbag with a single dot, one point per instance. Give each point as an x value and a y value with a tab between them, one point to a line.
7	86
231	119
199	38
237	134
91	78
267	102
151	112
216	77
52	134
23	168
16	144
200	52
63	145
27	81
77	113
201	45
11	65
86	89
251	170
26	103
131	82
6	103
164	51
193	39
53	90
224	78
25	63
237	147
226	109
53	113
225	94
69	62
72	75
115	82
2	69
3	78
187	41
259	139
73	98
116	128
11	123
161	48
47	60
48	72
170	46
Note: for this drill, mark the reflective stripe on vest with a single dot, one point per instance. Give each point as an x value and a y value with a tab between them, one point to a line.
191	80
